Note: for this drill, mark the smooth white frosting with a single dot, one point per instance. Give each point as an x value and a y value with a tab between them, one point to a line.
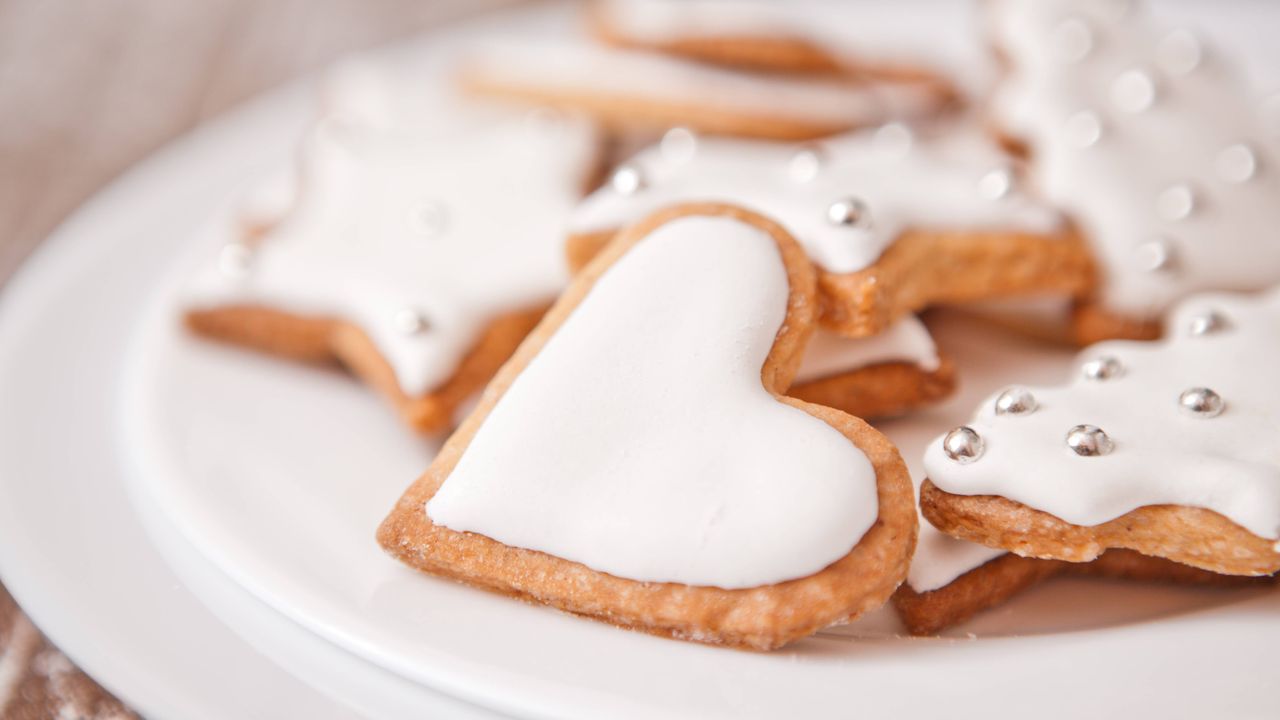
460	225
986	361
576	67
268	200
641	442
929	180
875	31
1164	108
1162	454
1240	30
364	93
906	340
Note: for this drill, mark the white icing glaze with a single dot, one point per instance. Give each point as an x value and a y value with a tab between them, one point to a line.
986	360
1162	454
456	225
906	340
929	181
269	200
1130	133
876	31
581	69
361	92
1239	31
641	442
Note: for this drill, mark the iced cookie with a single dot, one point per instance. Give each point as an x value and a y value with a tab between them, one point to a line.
892	373
265	204
989	585
952	580
623	464
1134	566
418	259
1045	318
998	580
894	219
627	89
863	40
1167	448
1151	143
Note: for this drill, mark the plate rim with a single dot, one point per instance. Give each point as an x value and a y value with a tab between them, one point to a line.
48	261
47	269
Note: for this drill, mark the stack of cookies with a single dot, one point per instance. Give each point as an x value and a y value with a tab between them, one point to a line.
652	280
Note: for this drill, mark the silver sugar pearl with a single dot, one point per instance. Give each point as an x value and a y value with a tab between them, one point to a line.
1176	202
1016	401
234	260
1133	91
1106	367
1207	324
1236	163
963	445
1072	40
1084	129
678	145
410	322
996	183
1179	53
627	180
1154	255
1089	441
849	212
805	164
1201	402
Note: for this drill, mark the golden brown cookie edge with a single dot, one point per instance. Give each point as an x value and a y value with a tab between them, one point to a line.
1191	536
756	618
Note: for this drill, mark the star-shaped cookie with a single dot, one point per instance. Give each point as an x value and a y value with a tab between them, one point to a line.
417	257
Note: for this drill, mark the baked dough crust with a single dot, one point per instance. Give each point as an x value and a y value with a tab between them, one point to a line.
758	618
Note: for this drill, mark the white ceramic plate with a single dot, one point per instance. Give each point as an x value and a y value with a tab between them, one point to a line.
71	549
373	692
294	525
280	474
229	446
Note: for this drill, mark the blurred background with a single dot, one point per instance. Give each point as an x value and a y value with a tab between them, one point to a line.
88	88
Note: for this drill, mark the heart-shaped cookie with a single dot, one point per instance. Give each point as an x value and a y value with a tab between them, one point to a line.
636	462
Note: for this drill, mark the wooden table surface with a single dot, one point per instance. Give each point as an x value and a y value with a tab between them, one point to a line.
86	89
